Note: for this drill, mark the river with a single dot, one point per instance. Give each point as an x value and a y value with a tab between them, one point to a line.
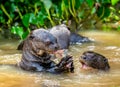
105	43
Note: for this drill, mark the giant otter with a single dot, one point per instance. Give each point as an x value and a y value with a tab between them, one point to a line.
62	34
90	59
77	38
64	37
36	53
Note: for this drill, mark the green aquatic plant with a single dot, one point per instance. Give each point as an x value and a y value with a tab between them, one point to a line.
26	15
20	31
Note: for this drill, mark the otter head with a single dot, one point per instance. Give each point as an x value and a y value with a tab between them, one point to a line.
40	41
94	60
62	34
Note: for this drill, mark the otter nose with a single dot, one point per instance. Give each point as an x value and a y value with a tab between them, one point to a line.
56	47
83	57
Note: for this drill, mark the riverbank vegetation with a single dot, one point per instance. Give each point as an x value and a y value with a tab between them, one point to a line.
21	16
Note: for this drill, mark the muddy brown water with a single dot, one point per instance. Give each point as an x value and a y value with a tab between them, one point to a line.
106	43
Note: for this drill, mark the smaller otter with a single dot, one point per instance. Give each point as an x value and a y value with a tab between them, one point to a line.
90	59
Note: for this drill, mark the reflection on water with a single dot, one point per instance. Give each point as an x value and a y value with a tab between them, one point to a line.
106	43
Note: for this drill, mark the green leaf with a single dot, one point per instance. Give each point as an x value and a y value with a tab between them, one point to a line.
114	2
17	30
105	1
12	15
93	10
66	3
103	12
119	11
116	17
81	1
20	32
63	6
118	28
13	7
41	17
78	3
29	18
25	20
81	14
1	12
33	19
47	4
2	20
90	2
25	34
13	30
58	10
106	12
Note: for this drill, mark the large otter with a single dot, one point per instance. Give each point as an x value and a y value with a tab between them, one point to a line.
90	59
36	53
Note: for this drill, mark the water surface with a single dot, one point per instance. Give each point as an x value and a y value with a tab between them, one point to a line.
106	43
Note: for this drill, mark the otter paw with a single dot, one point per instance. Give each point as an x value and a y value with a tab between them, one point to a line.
66	64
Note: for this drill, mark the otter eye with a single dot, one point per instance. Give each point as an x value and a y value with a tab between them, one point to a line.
48	42
105	60
31	37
